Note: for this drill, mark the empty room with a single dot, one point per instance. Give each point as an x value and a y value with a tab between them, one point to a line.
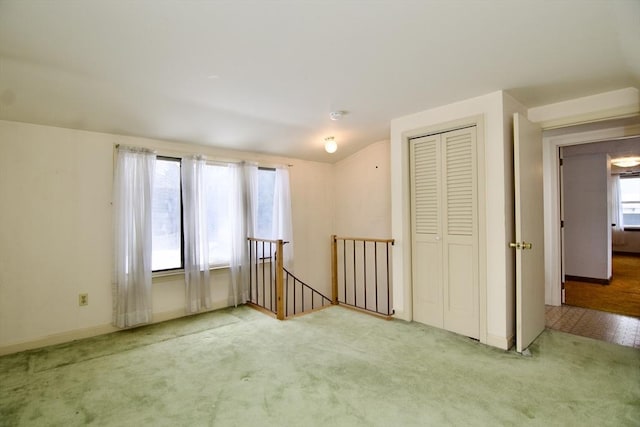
304	213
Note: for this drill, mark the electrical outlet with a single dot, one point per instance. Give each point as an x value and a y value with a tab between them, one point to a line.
83	299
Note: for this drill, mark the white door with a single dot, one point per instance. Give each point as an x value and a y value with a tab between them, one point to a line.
426	248
460	229
529	242
445	231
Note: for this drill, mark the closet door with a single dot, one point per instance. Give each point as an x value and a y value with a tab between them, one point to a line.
426	219
444	231
460	267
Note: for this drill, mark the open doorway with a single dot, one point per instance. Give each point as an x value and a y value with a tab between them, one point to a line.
600	221
600	269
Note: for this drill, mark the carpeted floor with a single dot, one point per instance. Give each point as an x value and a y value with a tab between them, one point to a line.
336	367
621	295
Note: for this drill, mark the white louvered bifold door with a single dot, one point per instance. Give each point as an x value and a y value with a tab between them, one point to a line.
460	268
444	231
427	230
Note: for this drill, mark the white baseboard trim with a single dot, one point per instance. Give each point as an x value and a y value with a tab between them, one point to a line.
500	342
78	334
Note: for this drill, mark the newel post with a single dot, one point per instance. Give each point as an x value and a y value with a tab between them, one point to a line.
334	270
280	280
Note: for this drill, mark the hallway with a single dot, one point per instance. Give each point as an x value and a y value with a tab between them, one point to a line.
600	325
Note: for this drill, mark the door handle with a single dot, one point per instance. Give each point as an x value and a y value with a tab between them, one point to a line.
523	245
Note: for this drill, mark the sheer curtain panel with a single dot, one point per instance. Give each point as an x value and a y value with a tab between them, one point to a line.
196	243
239	250
251	193
133	184
282	224
617	235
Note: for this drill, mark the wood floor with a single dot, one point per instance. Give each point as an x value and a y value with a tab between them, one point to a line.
621	295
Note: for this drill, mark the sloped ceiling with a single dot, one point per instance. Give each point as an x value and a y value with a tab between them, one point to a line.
263	76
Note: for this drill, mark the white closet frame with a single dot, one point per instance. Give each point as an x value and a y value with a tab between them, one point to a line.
478	122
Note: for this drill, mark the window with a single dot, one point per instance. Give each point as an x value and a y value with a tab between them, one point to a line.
167	235
630	200
166	216
266	189
217	190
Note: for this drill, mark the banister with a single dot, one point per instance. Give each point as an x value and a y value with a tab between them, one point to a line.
365	239
268	290
367	289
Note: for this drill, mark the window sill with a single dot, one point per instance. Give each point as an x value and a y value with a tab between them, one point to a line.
180	272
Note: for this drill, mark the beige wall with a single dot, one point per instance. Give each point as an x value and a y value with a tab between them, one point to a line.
56	231
363	193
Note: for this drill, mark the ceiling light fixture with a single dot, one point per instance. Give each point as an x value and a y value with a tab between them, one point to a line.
330	144
626	162
336	115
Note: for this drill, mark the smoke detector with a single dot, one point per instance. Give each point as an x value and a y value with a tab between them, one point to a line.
336	115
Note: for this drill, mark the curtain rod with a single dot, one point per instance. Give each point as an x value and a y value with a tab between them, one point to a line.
213	159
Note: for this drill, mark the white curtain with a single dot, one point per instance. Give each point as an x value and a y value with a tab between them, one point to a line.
196	244
251	187
239	255
282	227
616	212
133	187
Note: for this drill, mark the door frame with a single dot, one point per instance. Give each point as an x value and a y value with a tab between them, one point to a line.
551	144
478	122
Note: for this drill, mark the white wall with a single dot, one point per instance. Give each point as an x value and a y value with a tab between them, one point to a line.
616	148
56	231
495	266
587	226
362	191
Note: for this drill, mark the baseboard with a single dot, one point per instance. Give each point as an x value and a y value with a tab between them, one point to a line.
504	343
78	334
568	278
634	254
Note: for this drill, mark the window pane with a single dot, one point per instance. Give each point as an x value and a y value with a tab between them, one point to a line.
217	190
630	189
630	198
266	187
166	216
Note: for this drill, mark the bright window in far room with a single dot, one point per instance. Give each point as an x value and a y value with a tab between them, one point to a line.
630	200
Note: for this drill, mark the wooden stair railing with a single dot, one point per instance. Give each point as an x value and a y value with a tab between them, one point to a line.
363	279
274	289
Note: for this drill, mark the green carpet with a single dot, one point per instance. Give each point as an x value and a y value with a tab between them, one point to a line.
336	367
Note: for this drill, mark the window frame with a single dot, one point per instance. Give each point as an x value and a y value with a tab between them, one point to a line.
166	271
634	228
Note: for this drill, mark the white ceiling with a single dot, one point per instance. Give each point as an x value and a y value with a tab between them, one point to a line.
264	75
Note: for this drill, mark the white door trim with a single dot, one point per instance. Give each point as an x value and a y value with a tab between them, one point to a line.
551	182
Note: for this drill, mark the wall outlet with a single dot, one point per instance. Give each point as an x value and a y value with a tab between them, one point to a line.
83	299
